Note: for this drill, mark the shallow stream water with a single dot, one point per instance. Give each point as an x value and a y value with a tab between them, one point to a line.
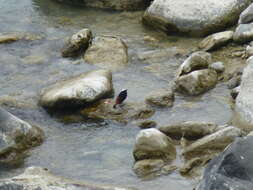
95	152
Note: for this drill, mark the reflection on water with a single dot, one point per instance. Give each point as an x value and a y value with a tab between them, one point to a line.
95	152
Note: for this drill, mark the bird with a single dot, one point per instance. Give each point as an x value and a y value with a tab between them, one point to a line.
120	98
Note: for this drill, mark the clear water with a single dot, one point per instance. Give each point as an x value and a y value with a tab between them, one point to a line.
94	152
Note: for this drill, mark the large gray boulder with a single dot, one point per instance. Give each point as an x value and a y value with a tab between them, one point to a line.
153	144
16	136
247	15
35	178
244	100
232	169
129	5
194	17
243	33
78	91
77	43
107	52
196	82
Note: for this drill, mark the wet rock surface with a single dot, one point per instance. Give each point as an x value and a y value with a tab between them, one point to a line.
16	137
189	129
197	18
213	142
161	98
244	100
153	144
123	113
111	4
216	40
151	168
232	169
40	178
7	38
235	91
147	167
146	124
15	36
78	43
196	82
196	61
219	67
243	33
78	91
246	16
107	52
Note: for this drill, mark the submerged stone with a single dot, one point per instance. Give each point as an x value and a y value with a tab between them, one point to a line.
122	113
107	52
161	98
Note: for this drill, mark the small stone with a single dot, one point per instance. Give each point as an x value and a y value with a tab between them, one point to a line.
218	67
196	82
161	98
146	167
77	43
249	51
234	82
168	169
153	144
147	124
149	39
198	60
189	165
7	38
216	40
234	92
